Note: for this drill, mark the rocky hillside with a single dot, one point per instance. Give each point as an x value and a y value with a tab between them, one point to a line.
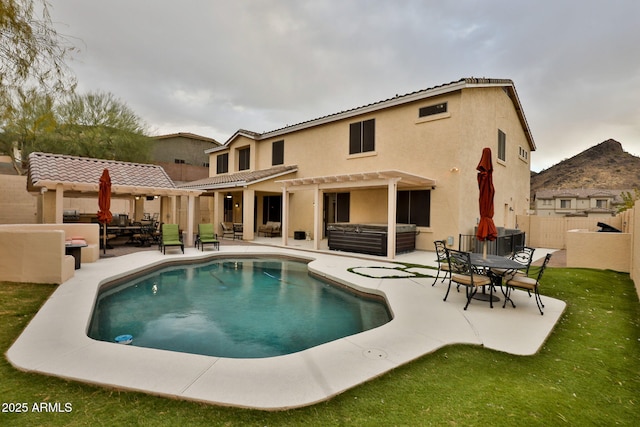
605	166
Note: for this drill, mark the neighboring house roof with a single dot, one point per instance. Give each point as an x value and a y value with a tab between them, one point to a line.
187	135
397	100
580	193
239	179
82	174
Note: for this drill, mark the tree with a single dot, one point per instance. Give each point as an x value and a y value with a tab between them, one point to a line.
30	119
629	199
99	125
31	51
32	54
92	125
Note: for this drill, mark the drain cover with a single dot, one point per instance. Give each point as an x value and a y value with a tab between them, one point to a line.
374	353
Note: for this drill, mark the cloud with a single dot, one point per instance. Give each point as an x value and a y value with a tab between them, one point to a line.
219	66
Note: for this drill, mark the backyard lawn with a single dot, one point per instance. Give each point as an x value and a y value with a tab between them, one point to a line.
588	372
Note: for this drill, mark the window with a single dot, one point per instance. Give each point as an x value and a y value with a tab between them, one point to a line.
272	209
432	110
414	207
277	153
362	136
178	161
502	146
565	204
222	163
601	203
244	159
523	153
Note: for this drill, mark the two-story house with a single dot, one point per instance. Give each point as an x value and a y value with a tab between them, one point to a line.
578	202
408	159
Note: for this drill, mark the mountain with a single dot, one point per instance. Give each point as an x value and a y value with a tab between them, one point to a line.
604	166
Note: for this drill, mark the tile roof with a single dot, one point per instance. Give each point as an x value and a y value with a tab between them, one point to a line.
83	170
239	178
468	82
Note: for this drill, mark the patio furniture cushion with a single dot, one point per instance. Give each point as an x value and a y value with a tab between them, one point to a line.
528	284
171	237
463	273
206	236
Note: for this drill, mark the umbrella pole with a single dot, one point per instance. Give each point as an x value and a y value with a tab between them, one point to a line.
104	239
484	250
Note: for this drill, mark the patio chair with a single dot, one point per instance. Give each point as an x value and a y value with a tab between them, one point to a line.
206	236
226	230
526	283
237	231
171	237
523	255
443	262
463	273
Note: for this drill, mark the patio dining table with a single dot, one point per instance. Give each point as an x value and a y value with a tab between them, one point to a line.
489	262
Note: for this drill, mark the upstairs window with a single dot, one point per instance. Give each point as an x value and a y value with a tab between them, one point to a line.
432	110
277	153
523	153
179	161
601	203
502	146
222	163
362	136
565	204
244	159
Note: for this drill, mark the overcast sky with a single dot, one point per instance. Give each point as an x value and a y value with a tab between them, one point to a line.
213	67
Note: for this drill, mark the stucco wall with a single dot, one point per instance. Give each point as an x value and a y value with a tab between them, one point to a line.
17	206
89	232
34	256
446	148
610	251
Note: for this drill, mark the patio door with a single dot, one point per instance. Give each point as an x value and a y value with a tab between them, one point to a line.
335	209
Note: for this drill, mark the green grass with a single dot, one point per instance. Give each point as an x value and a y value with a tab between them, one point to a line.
587	373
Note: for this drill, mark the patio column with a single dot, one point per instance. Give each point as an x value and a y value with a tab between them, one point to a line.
174	210
248	207
191	205
317	217
285	216
391	218
59	204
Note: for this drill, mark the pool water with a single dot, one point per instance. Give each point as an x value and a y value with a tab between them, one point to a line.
240	308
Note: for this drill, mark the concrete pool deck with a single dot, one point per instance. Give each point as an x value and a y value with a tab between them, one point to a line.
55	341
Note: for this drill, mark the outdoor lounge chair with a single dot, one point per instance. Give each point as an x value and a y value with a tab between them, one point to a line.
463	273
226	230
206	236
443	262
526	283
171	237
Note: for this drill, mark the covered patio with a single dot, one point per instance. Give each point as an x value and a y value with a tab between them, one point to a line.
52	177
392	180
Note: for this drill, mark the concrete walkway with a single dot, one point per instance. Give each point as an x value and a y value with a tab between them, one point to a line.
55	341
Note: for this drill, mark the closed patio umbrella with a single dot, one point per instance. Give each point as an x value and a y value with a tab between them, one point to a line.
486	228
104	204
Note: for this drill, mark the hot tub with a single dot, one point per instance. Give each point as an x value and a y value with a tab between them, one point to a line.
370	238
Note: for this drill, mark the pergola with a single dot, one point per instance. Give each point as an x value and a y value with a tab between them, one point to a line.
391	179
73	176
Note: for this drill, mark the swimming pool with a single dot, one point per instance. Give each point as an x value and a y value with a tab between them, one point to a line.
236	308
